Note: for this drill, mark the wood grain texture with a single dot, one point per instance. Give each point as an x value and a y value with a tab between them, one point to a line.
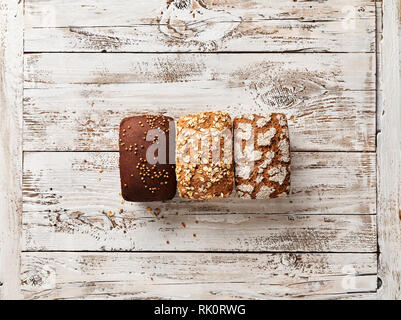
260	36
198	276
199	25
75	101
98	13
389	156
87	118
329	99
379	65
11	76
322	71
67	201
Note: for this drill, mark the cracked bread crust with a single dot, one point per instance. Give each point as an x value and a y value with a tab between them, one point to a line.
262	156
204	156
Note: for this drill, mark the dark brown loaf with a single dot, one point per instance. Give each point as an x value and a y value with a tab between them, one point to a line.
200	176
141	181
262	155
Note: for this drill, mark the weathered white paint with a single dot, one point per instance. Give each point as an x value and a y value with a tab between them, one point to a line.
11	74
323	183
87	118
78	231
198	25
379	64
66	206
75	101
209	36
389	155
198	276
329	99
97	13
335	72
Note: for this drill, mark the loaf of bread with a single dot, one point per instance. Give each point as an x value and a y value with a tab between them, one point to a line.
204	156
144	176
262	156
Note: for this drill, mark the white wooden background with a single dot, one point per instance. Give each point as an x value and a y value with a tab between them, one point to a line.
71	70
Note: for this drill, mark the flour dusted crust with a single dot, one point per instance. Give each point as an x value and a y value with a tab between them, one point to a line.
204	156
262	156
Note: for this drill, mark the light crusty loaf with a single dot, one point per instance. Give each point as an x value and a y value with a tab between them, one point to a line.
204	156
262	156
140	180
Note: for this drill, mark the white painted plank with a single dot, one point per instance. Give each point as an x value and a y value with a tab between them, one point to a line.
290	72
87	118
77	231
200	25
327	97
73	13
389	155
198	276
325	183
254	36
379	64
11	77
66	201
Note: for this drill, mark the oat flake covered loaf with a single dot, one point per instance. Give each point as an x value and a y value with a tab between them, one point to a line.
140	180
262	156
204	156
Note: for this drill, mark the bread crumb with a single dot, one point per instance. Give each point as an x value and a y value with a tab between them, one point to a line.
244	131
282	195
244	195
245	188
243	172
259	179
263	121
265	192
282	120
264	139
278	174
269	157
284	147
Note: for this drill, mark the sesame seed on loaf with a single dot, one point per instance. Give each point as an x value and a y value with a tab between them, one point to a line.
140	180
262	156
204	156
